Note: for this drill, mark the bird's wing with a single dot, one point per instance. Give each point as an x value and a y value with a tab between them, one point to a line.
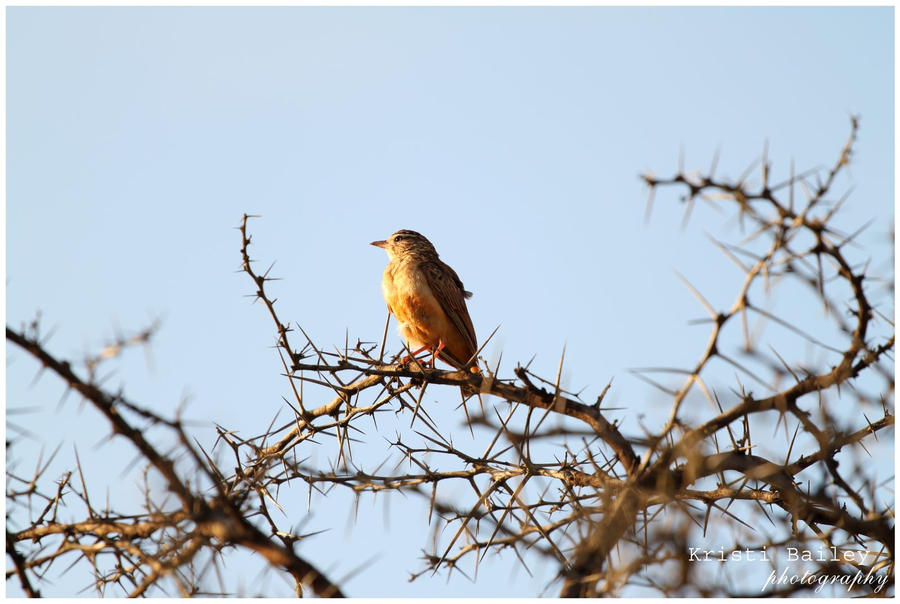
449	292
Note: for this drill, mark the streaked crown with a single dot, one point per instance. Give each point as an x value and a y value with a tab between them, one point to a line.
407	243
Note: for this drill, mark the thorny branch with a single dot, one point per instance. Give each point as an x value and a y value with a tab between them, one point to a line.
551	478
143	542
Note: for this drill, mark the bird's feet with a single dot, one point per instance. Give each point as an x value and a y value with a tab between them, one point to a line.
434	352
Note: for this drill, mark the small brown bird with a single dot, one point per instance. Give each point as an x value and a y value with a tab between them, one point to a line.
428	300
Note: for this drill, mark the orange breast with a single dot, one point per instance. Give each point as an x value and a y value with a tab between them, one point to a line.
422	320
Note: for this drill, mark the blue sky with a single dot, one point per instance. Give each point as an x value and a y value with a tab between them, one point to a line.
512	137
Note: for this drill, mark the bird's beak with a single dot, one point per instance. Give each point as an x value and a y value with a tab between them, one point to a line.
380	244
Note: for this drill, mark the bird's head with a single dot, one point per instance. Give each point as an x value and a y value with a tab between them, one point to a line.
406	243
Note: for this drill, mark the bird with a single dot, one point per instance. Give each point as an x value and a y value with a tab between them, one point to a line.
428	299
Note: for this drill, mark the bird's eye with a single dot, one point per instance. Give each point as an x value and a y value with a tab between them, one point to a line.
399	238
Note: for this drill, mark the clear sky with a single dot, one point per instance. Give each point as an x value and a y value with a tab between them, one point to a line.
511	137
